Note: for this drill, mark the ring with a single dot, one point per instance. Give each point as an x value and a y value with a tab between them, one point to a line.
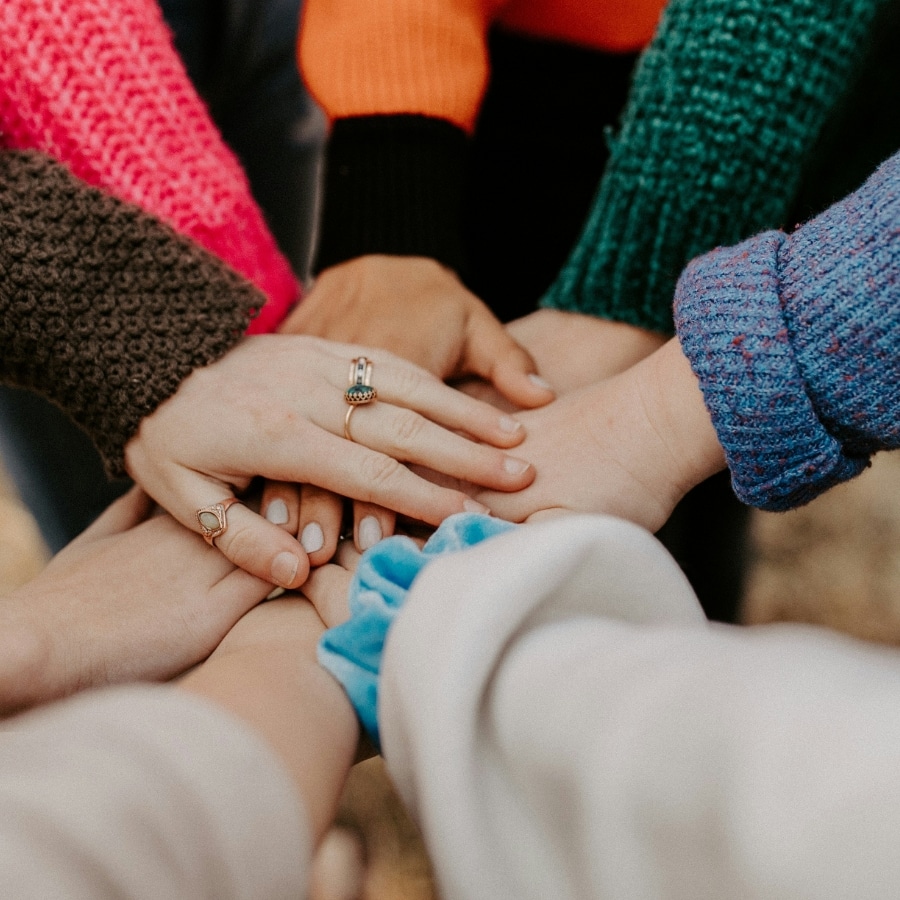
347	424
360	391
212	519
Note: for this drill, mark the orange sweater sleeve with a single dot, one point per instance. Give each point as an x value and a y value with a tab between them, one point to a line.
389	57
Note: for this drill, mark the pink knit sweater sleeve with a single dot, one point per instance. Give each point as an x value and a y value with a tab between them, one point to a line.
100	87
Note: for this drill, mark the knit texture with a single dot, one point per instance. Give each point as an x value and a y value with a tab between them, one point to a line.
104	309
726	105
429	57
101	88
393	184
795	341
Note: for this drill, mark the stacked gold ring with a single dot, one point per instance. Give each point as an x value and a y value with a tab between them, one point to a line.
360	392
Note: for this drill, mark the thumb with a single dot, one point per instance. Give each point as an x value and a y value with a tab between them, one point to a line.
493	355
245	538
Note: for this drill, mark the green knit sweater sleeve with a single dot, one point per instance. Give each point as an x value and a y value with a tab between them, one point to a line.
725	107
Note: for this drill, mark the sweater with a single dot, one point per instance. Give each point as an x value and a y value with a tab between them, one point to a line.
563	723
794	338
141	792
104	309
724	110
402	82
108	95
726	105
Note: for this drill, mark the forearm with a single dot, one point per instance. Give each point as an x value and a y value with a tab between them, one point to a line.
132	124
103	309
794	340
277	687
723	113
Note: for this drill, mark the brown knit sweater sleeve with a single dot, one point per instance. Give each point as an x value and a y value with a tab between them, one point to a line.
104	309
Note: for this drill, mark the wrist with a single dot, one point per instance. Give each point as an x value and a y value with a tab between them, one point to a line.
265	673
677	415
25	656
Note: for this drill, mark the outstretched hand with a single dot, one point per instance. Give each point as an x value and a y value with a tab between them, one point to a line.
419	310
630	446
132	598
274	407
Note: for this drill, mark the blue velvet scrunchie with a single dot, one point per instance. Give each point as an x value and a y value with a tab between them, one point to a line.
352	651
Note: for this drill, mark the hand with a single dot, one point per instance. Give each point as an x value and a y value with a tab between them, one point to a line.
419	310
274	407
631	446
572	350
130	599
316	517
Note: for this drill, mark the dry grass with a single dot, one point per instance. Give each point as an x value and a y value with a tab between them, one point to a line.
835	562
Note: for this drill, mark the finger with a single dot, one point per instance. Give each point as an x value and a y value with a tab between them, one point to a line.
401	384
409	437
372	523
321	512
250	542
239	591
335	464
327	588
493	355
348	556
124	513
280	504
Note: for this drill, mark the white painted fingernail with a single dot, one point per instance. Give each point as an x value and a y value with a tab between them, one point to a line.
515	466
474	506
541	382
312	538
277	512
284	568
509	424
369	532
275	593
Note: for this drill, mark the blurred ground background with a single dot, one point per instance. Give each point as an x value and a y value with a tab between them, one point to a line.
835	563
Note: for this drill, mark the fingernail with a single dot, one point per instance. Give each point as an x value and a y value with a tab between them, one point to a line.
475	507
277	512
312	538
369	532
509	424
284	568
275	593
515	466
537	381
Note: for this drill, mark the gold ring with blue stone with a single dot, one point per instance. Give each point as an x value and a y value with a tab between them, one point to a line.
360	391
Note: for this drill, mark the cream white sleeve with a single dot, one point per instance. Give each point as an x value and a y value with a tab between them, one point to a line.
564	723
145	792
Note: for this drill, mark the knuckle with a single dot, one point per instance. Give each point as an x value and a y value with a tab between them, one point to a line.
380	472
241	547
409	381
407	429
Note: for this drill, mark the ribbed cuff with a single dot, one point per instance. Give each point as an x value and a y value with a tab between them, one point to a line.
724	110
104	309
729	317
393	185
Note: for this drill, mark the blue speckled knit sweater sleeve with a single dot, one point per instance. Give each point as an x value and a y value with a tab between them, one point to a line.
796	342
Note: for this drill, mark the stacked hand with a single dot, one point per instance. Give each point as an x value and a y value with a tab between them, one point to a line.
133	598
274	407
